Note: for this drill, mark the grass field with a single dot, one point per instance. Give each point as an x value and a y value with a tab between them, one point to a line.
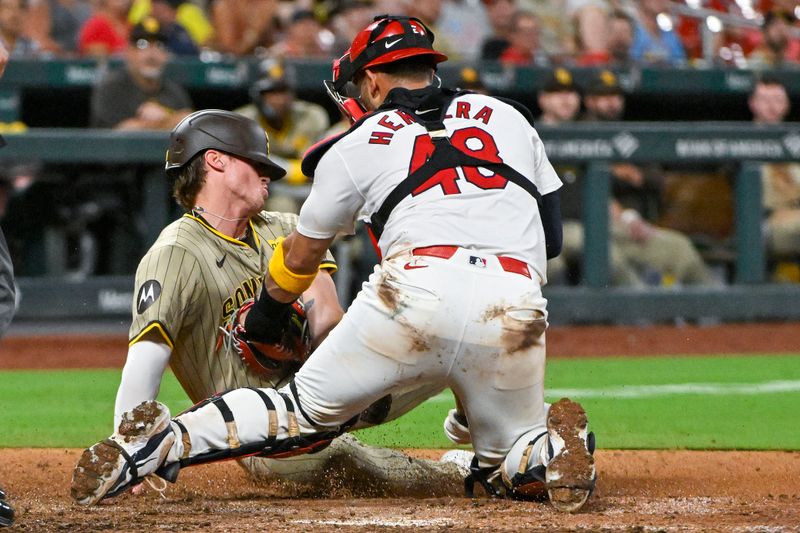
732	402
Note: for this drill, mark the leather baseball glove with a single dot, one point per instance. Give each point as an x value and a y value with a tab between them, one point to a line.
265	359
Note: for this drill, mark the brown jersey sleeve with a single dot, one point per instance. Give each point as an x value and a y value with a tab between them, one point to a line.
166	284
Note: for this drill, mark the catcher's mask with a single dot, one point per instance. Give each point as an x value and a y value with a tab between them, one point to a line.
221	130
387	39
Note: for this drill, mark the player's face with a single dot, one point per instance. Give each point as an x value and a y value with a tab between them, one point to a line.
248	184
606	106
148	58
280	101
769	104
561	106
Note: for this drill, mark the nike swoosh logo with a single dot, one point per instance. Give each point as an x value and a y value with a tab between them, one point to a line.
421	112
221	260
390	44
409	266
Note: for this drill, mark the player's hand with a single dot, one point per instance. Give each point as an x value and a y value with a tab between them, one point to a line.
152	112
630	174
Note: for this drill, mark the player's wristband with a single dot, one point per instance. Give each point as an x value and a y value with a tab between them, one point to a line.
267	319
283	277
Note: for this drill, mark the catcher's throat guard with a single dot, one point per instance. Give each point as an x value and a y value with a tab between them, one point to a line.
350	107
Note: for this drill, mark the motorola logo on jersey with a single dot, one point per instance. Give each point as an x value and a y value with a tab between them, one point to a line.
148	294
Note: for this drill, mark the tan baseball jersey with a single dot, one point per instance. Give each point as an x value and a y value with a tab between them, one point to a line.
190	282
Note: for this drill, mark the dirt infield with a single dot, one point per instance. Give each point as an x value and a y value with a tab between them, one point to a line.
636	491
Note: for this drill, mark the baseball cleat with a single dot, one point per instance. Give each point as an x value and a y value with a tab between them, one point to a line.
138	448
6	511
570	476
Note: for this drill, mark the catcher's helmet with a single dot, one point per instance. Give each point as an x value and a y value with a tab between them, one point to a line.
389	38
221	130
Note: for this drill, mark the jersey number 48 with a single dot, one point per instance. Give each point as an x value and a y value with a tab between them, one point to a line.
472	141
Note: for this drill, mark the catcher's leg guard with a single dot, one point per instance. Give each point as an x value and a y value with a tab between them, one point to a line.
138	448
570	476
246	422
235	424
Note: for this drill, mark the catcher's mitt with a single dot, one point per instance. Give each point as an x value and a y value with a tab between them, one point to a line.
262	358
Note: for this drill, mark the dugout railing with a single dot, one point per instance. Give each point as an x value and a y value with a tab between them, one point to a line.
595	146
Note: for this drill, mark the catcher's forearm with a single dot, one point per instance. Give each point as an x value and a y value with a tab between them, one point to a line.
322	307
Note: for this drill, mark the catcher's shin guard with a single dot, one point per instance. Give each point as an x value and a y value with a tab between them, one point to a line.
138	448
245	422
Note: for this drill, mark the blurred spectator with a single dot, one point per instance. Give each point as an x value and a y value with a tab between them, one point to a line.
3	57
12	17
56	24
657	255
348	18
555	29
138	97
613	48
242	26
190	15
589	20
640	253
179	42
621	30
470	80
523	42
559	98
293	125
770	104
106	31
501	19
304	38
604	99
430	12
463	25
779	49
731	44
655	41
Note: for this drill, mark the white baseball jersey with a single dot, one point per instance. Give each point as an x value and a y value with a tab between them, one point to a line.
470	208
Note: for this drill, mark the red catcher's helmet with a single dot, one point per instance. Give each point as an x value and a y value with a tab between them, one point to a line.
389	38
